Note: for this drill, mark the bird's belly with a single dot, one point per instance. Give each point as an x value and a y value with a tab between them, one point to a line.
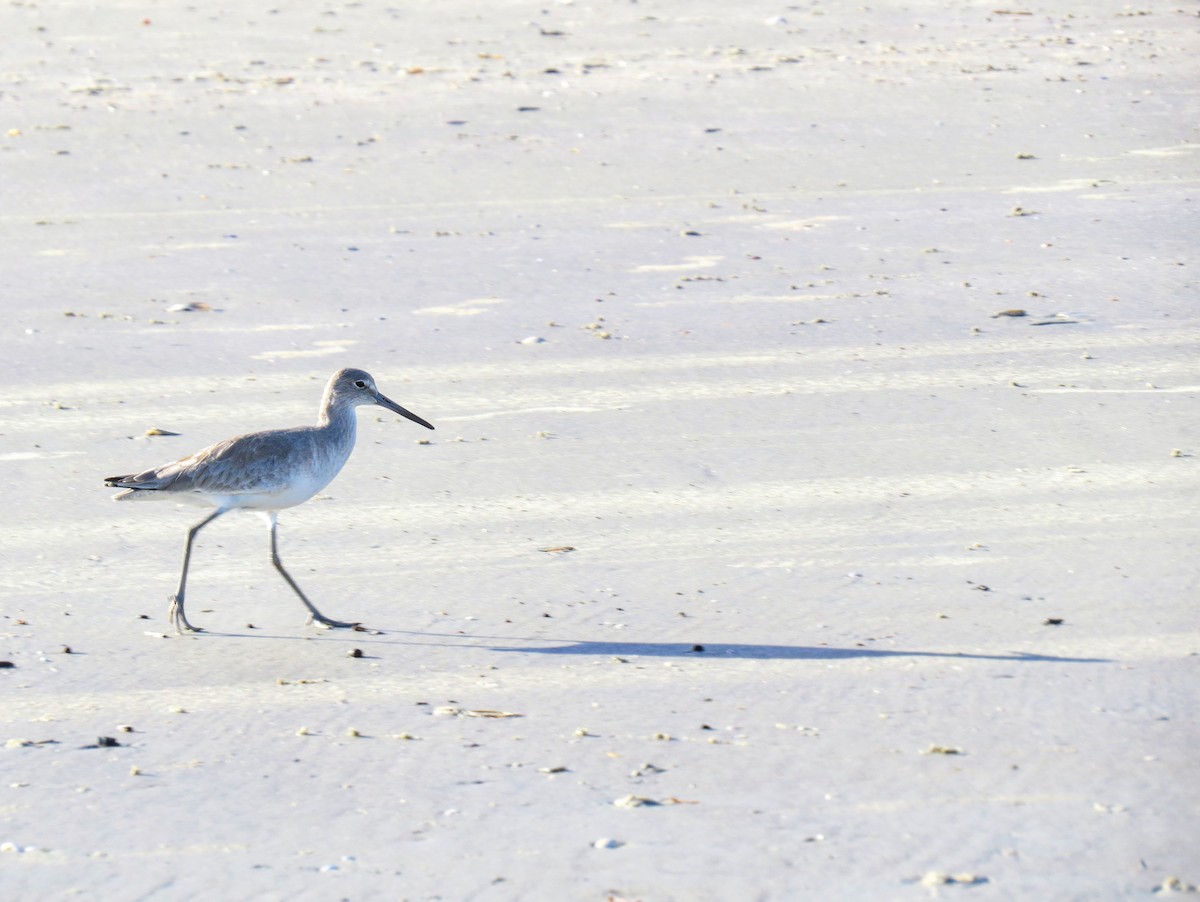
297	492
289	496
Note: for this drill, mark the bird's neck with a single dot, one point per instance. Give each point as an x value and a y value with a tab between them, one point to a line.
337	417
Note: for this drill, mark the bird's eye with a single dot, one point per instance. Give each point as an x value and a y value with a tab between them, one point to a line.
360	384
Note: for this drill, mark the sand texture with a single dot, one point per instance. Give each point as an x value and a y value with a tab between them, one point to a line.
812	511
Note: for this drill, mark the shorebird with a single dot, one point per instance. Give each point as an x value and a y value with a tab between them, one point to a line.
263	472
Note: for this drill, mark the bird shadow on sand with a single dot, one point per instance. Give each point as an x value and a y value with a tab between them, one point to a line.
585	648
715	650
769	652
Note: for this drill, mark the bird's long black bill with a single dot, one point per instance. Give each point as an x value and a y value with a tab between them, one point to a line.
393	406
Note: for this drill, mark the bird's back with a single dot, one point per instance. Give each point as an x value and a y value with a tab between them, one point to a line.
267	470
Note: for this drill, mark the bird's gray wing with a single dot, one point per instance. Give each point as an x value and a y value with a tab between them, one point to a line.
252	463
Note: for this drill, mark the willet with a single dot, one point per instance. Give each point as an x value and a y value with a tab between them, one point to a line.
264	472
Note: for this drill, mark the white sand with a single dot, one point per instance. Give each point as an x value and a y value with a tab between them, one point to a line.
794	449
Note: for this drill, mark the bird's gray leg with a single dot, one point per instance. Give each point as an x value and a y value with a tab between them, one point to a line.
314	614
175	612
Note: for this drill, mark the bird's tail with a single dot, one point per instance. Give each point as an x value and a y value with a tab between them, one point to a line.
119	482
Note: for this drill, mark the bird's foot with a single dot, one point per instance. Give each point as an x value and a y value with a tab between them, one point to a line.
176	616
323	621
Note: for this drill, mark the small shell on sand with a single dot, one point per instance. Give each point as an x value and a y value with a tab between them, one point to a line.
632	801
647	769
937	878
1177	885
451	711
